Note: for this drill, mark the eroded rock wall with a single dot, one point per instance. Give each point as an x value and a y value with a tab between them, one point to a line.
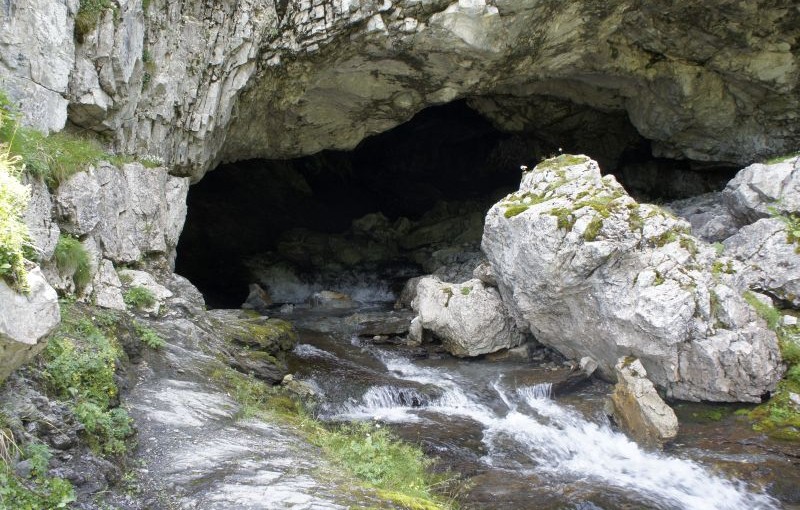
193	83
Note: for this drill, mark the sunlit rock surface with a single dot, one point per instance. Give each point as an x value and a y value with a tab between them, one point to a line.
192	83
589	271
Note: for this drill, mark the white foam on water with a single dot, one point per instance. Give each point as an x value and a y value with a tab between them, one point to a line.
561	442
309	351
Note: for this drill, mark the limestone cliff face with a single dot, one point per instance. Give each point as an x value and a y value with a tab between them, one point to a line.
196	82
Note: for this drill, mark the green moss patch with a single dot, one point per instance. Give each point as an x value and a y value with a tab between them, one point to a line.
780	417
271	335
593	229
514	210
564	218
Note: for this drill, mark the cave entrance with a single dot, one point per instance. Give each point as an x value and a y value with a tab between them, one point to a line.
405	202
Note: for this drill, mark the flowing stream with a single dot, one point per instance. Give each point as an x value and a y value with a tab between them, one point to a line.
522	446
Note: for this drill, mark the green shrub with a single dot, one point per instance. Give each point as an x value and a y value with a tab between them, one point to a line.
149	337
106	429
79	365
139	297
14	237
72	261
38	454
36	492
80	362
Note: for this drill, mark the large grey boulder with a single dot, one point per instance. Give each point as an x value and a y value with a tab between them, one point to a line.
638	408
131	211
591	272
770	263
760	189
24	320
469	318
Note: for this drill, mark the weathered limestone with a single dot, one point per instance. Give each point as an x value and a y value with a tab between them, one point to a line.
24	320
39	219
769	262
638	408
710	218
258	299
132	211
331	299
132	278
593	273
192	83
393	323
469	318
107	287
750	217
759	189
37	53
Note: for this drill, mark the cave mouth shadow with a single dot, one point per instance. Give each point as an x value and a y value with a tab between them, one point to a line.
446	163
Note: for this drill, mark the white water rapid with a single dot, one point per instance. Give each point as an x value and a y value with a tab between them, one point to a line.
556	440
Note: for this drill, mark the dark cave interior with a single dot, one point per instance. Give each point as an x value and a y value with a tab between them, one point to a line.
447	153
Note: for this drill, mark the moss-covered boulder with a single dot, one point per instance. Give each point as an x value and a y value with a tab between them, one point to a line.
270	335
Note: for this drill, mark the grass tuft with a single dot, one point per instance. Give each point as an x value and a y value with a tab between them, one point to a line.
88	16
767	312
52	158
139	297
72	261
